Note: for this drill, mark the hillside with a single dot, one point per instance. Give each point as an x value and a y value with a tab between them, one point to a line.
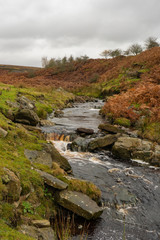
111	74
131	89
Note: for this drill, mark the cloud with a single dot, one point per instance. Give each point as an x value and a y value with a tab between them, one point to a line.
32	29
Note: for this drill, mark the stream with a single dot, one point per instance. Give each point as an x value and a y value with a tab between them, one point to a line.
130	194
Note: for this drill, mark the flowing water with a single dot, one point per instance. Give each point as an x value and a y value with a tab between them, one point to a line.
130	194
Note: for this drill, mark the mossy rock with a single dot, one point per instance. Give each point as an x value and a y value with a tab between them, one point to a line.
123	122
57	157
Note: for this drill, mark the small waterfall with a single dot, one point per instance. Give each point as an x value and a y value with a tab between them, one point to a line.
57	137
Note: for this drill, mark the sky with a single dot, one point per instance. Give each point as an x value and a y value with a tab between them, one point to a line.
32	29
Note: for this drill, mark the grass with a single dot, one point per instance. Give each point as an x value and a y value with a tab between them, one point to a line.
12	156
65	227
8	233
83	186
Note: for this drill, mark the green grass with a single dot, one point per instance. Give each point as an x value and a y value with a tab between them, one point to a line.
8	233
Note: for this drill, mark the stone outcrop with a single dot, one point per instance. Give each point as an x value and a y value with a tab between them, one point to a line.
27	116
52	181
136	148
80	204
128	147
47	156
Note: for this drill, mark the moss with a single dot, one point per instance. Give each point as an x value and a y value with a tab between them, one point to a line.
123	122
151	131
7	233
7	212
85	187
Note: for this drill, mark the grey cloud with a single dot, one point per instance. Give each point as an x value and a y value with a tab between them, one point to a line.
39	28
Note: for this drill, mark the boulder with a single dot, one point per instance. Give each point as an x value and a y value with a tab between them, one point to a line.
80	144
38	233
80	204
85	131
24	102
102	142
57	157
109	128
13	185
52	181
47	156
128	147
27	116
3	133
41	157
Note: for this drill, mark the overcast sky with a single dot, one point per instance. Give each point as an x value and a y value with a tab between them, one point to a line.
31	29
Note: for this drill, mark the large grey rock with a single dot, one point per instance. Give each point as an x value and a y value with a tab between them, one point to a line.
80	204
13	185
102	142
38	233
80	144
27	116
47	156
57	157
41	157
3	133
52	181
128	147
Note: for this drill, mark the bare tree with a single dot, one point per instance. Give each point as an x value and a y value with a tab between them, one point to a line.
135	49
115	53
151	42
105	53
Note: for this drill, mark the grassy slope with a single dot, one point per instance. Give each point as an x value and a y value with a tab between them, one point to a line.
40	202
12	155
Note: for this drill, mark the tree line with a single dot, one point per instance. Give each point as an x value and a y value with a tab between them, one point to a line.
63	64
134	49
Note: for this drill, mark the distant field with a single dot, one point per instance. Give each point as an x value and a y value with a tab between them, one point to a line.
14	68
